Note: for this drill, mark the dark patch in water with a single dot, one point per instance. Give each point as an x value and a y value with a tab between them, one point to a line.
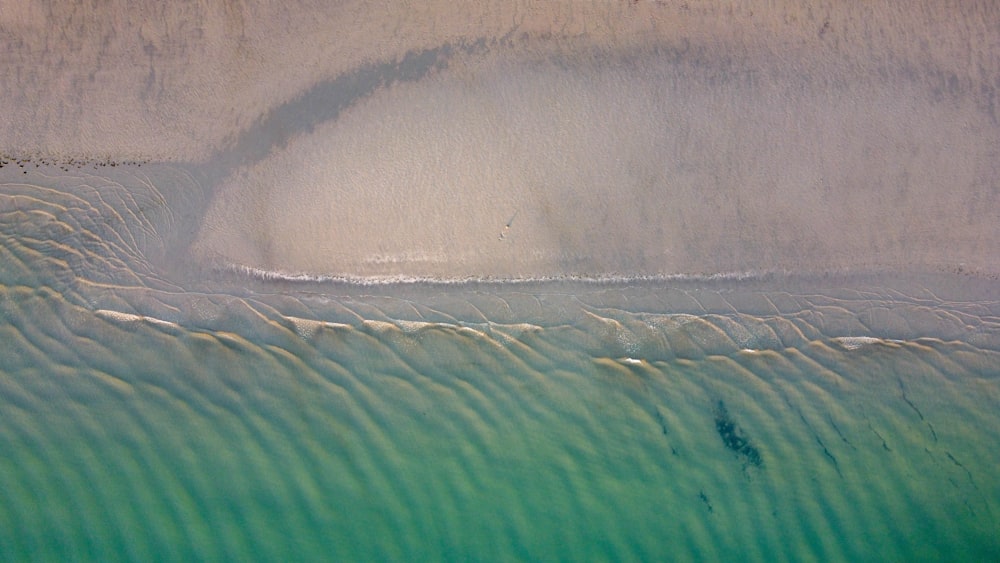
704	499
734	438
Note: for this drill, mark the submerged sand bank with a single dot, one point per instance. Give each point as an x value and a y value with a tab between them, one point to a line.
509	141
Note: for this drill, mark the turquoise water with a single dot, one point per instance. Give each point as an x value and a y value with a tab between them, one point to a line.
149	416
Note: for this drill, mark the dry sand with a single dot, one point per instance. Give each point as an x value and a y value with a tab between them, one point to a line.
584	139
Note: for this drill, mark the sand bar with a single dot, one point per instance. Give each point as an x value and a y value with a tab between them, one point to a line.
508	141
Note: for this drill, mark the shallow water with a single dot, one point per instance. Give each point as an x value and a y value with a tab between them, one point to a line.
148	416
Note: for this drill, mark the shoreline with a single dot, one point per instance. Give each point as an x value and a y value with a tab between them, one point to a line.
535	149
304	279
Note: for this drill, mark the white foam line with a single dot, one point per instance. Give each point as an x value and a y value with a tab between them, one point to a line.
126	318
855	342
300	277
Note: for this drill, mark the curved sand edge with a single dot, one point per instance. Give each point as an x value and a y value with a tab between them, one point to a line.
644	164
885	113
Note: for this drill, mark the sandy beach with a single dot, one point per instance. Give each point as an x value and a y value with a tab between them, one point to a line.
509	141
728	281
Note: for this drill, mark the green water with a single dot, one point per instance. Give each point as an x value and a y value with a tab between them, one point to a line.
780	418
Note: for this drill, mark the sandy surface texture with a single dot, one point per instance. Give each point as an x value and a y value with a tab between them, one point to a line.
505	140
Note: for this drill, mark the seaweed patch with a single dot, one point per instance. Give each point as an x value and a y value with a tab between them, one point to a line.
734	438
704	499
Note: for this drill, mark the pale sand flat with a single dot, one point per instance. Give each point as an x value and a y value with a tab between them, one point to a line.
622	139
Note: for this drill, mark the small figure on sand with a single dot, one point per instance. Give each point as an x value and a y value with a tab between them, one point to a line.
503	232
